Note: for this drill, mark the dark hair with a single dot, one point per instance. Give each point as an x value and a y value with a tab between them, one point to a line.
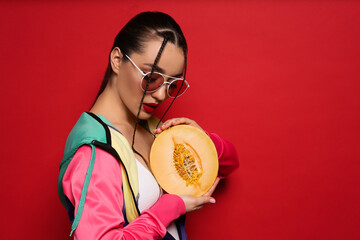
141	28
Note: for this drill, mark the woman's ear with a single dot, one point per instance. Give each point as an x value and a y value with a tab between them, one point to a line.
115	59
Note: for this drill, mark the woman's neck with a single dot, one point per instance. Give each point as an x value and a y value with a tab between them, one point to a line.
109	105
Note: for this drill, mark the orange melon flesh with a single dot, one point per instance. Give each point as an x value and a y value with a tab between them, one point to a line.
184	161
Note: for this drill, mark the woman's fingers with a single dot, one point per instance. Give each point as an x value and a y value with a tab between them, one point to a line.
174	122
195	203
202	201
213	187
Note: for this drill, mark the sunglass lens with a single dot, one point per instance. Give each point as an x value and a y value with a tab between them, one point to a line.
177	87
155	81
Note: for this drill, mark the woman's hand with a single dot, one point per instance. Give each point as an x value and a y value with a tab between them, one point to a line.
174	122
195	203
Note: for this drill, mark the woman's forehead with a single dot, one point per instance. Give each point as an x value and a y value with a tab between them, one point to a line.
171	61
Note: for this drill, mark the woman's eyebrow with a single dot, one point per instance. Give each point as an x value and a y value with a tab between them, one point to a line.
178	75
157	68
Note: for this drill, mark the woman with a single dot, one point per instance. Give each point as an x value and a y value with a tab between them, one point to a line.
110	144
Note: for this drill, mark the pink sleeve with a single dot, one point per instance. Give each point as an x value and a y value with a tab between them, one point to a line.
228	159
102	216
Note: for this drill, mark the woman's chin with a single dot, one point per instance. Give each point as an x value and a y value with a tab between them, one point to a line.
145	115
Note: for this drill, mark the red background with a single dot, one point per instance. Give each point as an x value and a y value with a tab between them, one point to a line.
279	79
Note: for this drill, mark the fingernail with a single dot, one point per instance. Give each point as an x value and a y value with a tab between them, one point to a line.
212	200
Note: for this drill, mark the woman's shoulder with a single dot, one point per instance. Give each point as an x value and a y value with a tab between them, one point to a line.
87	129
89	125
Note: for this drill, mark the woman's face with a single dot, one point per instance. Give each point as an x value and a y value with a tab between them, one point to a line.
171	63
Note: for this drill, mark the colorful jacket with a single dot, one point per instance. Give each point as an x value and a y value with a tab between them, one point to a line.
94	137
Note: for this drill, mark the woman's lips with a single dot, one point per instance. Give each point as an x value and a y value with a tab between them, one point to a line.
150	107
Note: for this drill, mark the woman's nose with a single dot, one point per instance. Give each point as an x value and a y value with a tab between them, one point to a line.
160	94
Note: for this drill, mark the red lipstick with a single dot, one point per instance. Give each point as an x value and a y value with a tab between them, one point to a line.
150	107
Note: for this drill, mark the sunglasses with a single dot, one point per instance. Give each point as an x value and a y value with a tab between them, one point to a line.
175	86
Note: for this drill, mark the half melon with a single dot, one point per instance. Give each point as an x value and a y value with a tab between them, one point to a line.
184	160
